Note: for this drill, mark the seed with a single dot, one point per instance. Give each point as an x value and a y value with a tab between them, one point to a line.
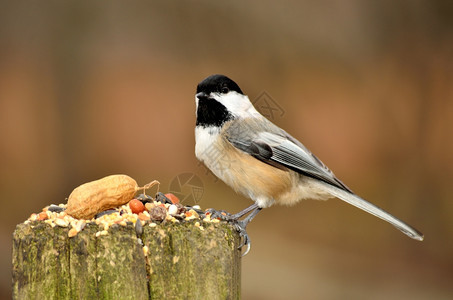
105	212
160	197
61	223
55	208
79	225
138	228
102	232
144	216
42	216
172	198
158	213
172	210
144	198
181	208
72	232
145	250
136	206
149	206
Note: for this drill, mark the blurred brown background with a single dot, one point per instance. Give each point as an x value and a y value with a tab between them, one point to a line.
93	88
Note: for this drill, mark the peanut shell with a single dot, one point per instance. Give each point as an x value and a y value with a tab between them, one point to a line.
97	196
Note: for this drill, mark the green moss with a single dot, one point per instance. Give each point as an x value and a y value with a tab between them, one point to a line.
83	264
121	272
195	263
183	262
40	262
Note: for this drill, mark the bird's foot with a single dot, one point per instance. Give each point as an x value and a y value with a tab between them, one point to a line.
239	225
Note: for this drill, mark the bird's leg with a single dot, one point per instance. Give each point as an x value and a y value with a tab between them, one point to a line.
239	225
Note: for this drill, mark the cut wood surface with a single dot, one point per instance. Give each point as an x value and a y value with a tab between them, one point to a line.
182	262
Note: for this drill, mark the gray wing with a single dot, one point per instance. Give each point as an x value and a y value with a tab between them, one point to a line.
277	148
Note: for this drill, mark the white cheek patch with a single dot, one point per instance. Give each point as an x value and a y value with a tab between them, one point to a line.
237	104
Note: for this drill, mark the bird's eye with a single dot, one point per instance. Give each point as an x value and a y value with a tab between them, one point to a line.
224	90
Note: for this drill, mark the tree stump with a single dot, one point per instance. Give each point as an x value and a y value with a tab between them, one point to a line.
184	262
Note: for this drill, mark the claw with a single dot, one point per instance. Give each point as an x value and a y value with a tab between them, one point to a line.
248	249
241	228
239	225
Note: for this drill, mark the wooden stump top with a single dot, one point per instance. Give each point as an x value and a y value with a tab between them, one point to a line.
169	261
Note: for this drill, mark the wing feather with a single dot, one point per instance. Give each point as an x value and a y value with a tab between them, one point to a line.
276	147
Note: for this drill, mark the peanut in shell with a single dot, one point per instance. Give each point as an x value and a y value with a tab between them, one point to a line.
97	196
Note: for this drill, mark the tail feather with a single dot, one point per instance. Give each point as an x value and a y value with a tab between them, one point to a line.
374	210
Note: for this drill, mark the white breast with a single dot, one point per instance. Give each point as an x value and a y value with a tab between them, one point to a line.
210	149
204	140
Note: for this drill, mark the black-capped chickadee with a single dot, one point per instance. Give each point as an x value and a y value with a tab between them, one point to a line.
262	161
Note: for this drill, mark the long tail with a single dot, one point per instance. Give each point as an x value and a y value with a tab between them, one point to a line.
374	210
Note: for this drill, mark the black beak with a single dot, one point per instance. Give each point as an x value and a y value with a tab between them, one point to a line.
202	96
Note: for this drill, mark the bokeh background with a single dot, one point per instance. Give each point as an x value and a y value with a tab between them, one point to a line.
93	88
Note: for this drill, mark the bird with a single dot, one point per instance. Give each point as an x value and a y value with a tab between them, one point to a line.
261	161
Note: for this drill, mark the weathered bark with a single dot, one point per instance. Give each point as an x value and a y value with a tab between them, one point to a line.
183	262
